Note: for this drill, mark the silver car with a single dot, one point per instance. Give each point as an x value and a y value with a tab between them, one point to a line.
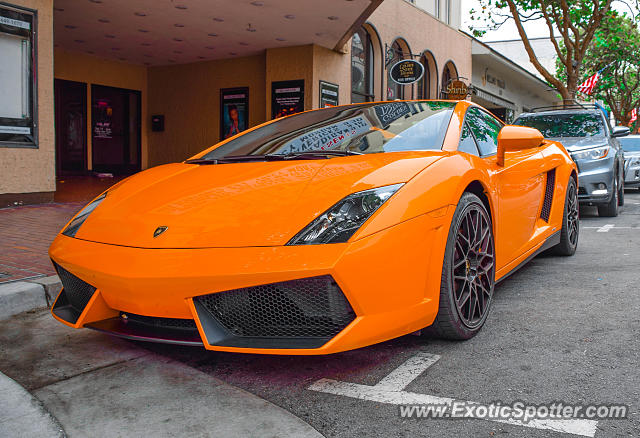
631	148
593	145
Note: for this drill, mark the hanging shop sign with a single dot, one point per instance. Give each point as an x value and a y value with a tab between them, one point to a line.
457	90
406	72
234	111
287	97
328	94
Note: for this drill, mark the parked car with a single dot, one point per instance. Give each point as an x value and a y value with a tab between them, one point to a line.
321	232
593	145
631	146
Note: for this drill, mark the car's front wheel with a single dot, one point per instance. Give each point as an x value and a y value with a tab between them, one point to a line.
570	223
468	272
610	209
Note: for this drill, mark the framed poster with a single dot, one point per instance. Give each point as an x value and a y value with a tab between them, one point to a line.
287	97
328	94
234	111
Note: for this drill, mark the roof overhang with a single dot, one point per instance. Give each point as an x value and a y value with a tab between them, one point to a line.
161	32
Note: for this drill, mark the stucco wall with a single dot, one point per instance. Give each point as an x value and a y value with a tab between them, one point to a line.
421	31
189	97
81	67
288	63
33	170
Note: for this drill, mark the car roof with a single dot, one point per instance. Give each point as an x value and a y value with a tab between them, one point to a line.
561	111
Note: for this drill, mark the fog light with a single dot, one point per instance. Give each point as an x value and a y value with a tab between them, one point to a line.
602	186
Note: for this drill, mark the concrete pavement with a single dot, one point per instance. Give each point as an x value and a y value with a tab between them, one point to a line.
96	385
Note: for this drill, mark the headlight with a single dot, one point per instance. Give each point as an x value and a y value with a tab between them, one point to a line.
592	154
341	221
77	221
633	161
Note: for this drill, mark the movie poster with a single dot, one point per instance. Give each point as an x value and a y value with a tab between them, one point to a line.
287	97
234	111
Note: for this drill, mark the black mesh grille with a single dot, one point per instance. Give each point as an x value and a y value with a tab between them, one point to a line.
582	191
78	292
548	195
310	307
176	323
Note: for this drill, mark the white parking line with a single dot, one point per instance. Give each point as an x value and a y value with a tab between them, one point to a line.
390	390
607	227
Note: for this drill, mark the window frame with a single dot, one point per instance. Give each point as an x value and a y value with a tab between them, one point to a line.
369	72
481	110
33	81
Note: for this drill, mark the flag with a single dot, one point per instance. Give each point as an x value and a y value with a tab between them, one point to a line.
587	86
634	116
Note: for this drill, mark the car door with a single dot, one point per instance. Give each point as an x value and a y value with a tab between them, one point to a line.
520	186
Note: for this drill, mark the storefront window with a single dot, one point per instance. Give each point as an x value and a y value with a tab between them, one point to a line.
361	67
424	84
17	126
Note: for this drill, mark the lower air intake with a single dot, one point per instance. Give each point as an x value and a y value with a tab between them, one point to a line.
74	297
276	315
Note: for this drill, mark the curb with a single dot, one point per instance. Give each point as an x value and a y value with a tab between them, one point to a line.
21	414
23	296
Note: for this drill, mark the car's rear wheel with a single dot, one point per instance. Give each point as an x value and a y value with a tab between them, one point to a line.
468	272
610	209
570	223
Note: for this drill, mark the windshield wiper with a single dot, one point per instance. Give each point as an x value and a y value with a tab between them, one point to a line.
306	155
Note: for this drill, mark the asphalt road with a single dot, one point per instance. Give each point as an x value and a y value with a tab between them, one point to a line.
561	329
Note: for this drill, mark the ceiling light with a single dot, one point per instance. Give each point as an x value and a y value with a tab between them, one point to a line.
115	49
143	30
280	39
79	41
58	9
145	44
178	40
212	34
183	7
257	3
103	20
139	14
109	36
179	25
289	16
332	18
232	53
209	47
177	51
219	20
70	26
243	44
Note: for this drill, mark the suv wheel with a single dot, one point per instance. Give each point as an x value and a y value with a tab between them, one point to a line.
610	209
621	193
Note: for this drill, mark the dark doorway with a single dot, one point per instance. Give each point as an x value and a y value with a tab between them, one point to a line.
71	127
115	130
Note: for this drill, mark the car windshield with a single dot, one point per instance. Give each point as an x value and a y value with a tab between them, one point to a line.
630	144
564	125
358	129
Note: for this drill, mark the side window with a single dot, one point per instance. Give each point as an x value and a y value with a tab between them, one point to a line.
485	129
467	142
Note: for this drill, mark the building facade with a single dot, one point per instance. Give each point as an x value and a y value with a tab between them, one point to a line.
114	87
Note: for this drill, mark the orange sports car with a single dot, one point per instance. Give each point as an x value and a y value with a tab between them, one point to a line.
321	232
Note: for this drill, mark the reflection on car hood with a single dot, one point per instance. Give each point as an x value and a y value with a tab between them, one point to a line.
240	204
573	144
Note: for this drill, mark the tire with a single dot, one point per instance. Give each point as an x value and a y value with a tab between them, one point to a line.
610	209
466	272
621	193
570	223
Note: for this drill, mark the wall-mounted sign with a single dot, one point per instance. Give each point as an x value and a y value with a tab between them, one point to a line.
328	94
406	72
287	97
234	111
457	90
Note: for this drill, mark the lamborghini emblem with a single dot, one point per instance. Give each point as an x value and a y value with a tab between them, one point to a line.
159	231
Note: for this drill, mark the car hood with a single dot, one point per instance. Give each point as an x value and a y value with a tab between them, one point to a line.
239	204
573	144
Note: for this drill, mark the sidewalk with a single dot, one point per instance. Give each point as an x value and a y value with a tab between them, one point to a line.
96	385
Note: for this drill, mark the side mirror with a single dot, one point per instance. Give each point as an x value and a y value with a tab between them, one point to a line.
620	131
516	138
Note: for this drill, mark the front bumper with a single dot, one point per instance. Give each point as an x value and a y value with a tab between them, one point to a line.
391	280
591	175
631	174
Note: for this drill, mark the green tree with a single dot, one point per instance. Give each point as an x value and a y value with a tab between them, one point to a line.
574	21
615	50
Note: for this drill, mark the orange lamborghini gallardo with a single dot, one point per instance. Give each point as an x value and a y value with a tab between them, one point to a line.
321	232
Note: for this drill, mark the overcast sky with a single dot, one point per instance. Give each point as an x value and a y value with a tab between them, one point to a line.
508	30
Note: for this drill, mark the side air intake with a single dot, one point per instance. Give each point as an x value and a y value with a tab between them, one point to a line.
548	195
